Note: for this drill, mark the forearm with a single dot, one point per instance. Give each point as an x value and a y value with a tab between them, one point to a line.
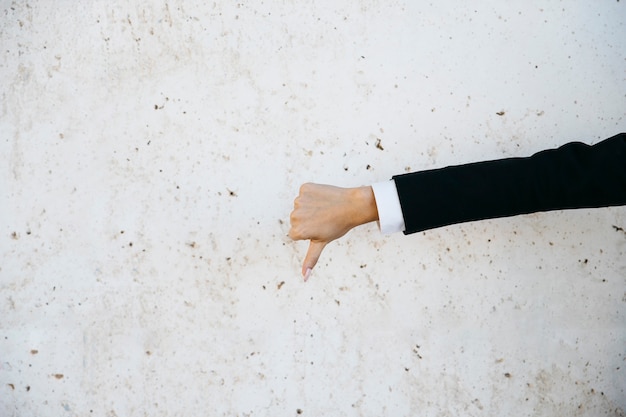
573	176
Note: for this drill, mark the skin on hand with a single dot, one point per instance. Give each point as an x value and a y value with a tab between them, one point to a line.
323	213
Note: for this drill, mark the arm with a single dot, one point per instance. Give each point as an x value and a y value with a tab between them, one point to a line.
575	175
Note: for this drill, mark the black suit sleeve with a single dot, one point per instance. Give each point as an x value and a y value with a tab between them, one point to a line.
575	175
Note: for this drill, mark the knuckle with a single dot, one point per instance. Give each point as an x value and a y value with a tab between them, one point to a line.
305	187
293	234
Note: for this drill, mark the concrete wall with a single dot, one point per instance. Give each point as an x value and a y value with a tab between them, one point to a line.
151	151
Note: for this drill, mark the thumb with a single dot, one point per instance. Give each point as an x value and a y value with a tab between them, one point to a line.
312	256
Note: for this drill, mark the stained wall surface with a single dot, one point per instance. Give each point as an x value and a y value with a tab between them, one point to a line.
151	152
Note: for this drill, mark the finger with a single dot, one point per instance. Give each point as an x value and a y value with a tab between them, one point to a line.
312	256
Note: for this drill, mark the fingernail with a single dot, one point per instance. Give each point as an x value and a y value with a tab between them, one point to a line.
307	274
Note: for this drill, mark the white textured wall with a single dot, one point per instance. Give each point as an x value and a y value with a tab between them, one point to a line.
151	151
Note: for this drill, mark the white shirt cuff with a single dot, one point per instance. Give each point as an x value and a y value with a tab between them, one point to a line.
390	219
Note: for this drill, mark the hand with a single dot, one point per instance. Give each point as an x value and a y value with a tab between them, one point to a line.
323	213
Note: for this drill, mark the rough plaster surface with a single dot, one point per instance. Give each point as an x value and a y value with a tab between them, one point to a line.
151	151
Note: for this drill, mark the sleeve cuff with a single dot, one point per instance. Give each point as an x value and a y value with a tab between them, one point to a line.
390	219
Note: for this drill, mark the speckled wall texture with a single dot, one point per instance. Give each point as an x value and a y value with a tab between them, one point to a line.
151	152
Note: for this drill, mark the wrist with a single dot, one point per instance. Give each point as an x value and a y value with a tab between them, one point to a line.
364	206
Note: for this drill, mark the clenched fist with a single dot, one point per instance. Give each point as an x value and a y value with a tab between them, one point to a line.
323	213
